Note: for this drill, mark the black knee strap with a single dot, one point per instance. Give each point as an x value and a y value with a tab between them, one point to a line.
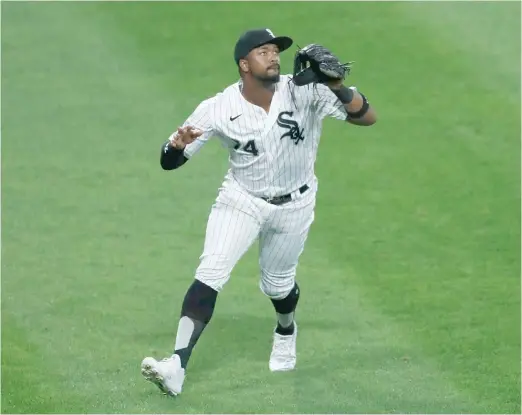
199	302
289	303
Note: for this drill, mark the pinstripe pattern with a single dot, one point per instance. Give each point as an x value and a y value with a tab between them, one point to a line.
263	163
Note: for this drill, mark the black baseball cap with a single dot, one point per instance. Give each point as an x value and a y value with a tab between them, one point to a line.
258	37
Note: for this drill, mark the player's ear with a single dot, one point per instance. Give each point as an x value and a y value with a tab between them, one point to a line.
243	64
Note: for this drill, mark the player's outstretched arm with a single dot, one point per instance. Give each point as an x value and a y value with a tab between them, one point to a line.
173	150
316	64
359	111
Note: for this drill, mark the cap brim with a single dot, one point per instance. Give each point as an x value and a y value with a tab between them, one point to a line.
282	42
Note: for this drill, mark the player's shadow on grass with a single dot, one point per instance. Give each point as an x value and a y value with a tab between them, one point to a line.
249	338
232	339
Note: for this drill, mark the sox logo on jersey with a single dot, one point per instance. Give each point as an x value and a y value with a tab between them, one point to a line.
291	125
271	154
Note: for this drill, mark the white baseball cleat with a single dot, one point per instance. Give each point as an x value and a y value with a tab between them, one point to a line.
284	355
166	374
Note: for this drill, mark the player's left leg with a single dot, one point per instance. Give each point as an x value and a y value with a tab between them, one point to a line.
233	226
281	244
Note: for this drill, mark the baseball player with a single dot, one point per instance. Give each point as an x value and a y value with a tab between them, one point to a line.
271	125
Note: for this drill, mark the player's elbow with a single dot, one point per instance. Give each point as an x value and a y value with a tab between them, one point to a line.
370	118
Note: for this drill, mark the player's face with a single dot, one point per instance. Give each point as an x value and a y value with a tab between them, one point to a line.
264	63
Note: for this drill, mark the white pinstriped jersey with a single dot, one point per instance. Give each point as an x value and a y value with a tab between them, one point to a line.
272	153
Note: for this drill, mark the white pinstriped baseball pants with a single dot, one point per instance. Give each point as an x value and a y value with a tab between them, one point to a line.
237	219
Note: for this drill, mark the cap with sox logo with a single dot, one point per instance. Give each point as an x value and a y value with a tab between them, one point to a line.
258	37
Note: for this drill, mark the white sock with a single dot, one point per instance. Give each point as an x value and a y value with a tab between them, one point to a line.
185	330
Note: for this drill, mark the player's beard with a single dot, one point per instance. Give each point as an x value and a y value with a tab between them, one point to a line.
267	79
272	79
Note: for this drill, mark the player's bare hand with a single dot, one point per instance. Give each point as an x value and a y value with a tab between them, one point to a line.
184	136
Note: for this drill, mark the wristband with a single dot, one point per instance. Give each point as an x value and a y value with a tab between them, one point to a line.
344	94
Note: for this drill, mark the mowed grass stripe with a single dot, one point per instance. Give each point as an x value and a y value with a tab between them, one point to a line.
442	221
69	268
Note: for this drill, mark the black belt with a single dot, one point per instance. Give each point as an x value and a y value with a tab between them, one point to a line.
281	200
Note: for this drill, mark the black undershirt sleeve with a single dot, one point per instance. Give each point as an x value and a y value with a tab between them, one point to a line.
171	158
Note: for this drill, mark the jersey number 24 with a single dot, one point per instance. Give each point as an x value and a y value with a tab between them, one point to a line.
249	147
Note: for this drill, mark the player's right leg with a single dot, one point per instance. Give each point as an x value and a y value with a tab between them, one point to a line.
232	227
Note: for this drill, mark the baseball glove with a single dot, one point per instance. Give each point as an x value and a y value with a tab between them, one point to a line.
316	64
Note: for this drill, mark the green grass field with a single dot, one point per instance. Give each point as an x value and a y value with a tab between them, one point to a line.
411	275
